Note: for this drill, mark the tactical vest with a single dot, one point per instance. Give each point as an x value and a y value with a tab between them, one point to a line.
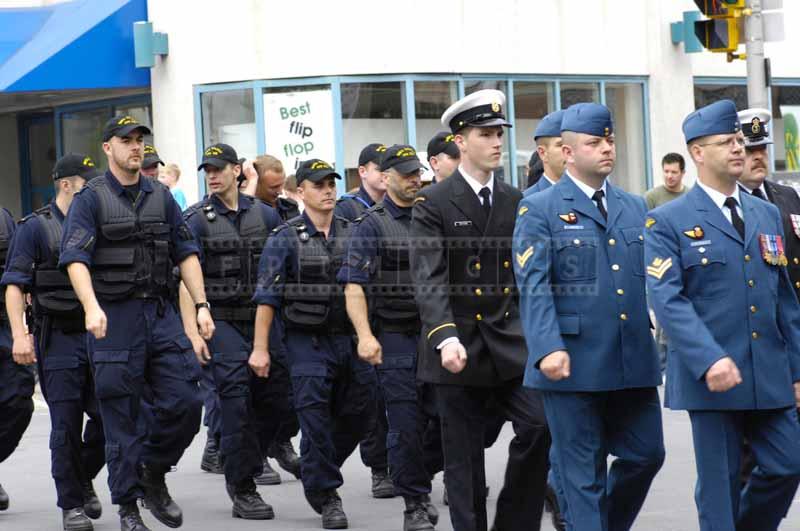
359	203
131	255
392	289
230	269
312	300
5	241
287	208
53	294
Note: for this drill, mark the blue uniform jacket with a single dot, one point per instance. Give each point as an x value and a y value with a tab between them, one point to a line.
582	288
716	296
541	185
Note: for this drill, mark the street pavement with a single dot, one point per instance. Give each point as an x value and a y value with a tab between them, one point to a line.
26	477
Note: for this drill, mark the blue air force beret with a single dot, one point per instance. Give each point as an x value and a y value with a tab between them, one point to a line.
719	118
588	118
550	125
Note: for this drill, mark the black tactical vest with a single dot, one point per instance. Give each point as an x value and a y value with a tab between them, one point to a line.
230	269
312	300
52	291
5	241
131	255
358	202
392	289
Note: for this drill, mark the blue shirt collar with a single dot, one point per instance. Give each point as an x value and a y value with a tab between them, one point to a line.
245	203
56	211
362	193
144	184
395	210
312	230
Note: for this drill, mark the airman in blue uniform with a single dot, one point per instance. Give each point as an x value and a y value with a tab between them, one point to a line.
578	262
122	236
332	387
716	271
548	144
60	340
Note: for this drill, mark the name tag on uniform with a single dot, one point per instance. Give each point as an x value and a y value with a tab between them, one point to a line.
466	223
573	227
699	244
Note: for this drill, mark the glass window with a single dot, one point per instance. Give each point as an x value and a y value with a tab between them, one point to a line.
708	94
532	101
371	112
142	113
42	157
785	128
229	117
432	98
627	109
572	93
82	132
474	85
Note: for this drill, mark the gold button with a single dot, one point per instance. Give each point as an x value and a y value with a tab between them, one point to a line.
615	267
796	261
704	261
747	258
478	317
612	241
506	291
478	292
751	283
797	285
507	314
623	316
506	264
641	237
477	266
620	291
753	309
576	241
755	335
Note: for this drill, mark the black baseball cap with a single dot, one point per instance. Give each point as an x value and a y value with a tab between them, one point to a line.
75	164
151	157
314	170
403	158
371	153
442	142
123	125
219	156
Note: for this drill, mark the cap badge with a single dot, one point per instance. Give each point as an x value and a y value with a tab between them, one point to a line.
570	218
149	150
127	120
495	107
88	162
449	138
213	151
755	127
696	233
606	132
406	152
380	149
321	165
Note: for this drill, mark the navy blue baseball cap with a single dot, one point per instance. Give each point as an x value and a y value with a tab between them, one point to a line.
588	118
75	164
314	170
219	156
719	118
371	153
402	158
550	125
443	143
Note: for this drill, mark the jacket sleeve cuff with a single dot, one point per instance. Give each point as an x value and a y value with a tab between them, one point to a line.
440	333
547	349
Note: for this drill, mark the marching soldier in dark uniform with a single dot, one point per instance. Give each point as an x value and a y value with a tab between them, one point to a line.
372	189
121	238
461	263
377	261
16	372
63	362
232	228
332	387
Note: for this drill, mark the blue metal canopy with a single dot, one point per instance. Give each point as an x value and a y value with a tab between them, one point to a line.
81	44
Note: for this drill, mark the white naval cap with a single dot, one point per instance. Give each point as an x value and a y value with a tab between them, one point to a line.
483	108
754	126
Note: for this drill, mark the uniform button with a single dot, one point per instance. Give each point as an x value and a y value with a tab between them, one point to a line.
506	264
797	285
620	291
507	315
754	335
576	241
478	317
704	261
478	292
641	237
612	241
796	261
753	309
478	266
615	267
623	316
747	258
506	291
751	283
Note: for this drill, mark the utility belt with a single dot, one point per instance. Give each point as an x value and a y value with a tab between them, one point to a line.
230	313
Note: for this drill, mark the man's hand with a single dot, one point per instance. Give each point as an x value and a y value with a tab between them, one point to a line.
200	349
555	366
22	350
259	362
797	394
723	376
205	324
370	350
454	357
96	322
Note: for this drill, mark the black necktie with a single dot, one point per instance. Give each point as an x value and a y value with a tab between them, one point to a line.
758	194
738	222
598	198
485	194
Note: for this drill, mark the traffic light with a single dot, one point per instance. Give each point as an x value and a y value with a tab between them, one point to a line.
721	32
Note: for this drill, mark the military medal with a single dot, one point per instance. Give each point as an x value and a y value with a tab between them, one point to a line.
772	249
570	218
696	233
795	224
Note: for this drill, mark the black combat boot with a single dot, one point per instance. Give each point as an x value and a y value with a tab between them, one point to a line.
333	516
415	517
268	475
76	520
248	504
433	512
3	499
91	503
157	498
212	458
286	457
382	486
130	519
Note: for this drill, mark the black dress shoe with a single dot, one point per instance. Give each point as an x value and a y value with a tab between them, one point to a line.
286	457
76	520
268	475
430	508
415	517
212	458
382	486
333	516
551	506
130	519
157	497
91	503
3	499
248	504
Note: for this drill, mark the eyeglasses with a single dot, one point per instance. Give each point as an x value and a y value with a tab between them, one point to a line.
730	143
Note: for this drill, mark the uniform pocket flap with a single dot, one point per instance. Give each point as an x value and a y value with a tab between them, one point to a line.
397	362
576	240
569	324
309	369
709	255
111	356
633	235
52	363
117	256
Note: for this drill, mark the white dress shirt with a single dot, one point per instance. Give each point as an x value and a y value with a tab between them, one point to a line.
551	181
588	190
719	200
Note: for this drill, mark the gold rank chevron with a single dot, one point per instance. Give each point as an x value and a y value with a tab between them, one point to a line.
523	258
659	267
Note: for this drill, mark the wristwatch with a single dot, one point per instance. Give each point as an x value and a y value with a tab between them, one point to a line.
205	305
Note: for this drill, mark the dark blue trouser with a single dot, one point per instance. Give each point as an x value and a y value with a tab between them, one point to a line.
275	418
372	446
68	386
774	437
586	428
212	417
398	384
16	392
144	347
332	389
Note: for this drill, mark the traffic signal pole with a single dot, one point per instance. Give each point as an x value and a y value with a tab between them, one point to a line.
757	96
